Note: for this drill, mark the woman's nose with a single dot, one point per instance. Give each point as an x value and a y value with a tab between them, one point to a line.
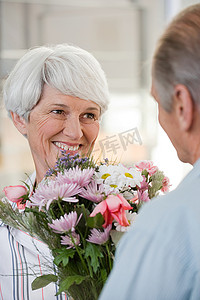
73	129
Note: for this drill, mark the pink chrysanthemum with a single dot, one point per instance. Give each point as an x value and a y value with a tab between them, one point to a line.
143	196
144	184
66	223
93	192
166	185
99	237
71	241
76	175
46	193
147	165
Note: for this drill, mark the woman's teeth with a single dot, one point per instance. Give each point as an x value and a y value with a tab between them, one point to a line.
66	147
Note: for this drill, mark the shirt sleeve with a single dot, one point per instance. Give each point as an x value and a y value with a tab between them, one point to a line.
155	261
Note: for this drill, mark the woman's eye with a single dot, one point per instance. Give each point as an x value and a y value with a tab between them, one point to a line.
89	116
57	111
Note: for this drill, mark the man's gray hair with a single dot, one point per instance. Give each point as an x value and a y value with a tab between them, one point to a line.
177	57
70	69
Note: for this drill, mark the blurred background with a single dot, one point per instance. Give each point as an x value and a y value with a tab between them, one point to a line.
122	35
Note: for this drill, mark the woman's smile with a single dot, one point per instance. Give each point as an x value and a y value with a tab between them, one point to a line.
66	147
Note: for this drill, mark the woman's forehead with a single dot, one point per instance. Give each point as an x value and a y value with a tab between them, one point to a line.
52	96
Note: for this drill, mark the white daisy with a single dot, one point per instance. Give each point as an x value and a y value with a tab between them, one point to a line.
129	177
108	175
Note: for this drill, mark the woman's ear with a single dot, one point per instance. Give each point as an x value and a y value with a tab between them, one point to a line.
19	122
184	106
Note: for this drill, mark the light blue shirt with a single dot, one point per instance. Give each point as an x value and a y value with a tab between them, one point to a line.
159	258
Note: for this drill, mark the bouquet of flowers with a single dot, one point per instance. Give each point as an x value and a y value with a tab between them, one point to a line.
80	210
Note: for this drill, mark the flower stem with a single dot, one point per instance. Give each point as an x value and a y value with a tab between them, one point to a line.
52	213
79	254
84	244
95	291
85	216
60	206
90	268
109	258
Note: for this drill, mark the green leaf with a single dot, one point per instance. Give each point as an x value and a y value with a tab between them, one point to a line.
94	253
69	281
85	215
145	173
96	221
43	280
104	275
63	255
156	184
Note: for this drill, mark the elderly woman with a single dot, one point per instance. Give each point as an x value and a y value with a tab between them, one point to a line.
55	97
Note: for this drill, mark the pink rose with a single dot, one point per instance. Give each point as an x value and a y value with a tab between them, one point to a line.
165	185
113	207
15	194
146	165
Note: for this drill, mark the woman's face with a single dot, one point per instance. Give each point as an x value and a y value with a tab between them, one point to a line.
60	122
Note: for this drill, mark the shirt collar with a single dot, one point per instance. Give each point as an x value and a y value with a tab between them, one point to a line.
192	174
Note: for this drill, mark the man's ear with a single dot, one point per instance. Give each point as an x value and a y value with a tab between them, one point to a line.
184	106
19	122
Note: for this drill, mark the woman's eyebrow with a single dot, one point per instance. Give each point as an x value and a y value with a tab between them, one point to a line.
60	105
93	108
68	107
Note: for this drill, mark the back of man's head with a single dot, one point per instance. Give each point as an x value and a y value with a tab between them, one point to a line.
177	57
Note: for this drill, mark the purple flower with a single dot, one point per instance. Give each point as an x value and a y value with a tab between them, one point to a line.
76	175
66	223
93	192
48	192
71	241
99	237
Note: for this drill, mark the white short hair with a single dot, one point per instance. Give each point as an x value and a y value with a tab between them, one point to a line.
70	69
